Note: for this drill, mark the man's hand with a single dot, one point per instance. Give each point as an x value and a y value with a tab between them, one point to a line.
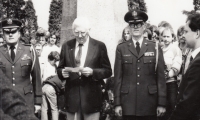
65	74
160	111
87	71
37	108
118	111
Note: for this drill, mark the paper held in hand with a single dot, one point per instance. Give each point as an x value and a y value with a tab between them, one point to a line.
71	69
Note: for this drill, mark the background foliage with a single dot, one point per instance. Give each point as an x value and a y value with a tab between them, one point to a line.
24	11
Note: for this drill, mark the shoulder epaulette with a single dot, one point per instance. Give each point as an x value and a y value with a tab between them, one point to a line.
123	42
151	41
27	44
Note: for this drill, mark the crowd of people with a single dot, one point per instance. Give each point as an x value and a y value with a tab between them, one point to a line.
156	73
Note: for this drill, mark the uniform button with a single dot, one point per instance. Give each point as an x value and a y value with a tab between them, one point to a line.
178	92
150	61
13	84
31	91
13	66
13	72
138	83
138	61
138	75
138	68
13	78
79	77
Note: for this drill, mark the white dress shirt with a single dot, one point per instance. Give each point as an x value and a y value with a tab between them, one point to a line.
140	41
84	51
15	50
195	52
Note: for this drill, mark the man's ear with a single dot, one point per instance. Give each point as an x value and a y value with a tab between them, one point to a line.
197	34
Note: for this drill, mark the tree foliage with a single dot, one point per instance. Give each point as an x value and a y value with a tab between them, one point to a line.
55	17
22	10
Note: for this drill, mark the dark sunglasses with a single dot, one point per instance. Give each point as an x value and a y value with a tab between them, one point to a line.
136	25
10	31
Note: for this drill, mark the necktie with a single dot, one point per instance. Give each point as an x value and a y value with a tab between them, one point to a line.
138	47
12	53
191	58
78	56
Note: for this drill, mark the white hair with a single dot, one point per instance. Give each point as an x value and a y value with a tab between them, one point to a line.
81	21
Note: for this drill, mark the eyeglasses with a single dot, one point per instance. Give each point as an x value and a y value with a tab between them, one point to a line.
136	25
10	31
76	33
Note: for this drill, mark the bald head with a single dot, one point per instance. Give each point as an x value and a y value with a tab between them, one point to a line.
81	22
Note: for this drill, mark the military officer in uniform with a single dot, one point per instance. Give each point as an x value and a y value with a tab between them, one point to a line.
139	82
20	64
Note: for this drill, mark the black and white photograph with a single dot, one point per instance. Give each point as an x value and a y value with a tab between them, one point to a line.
99	59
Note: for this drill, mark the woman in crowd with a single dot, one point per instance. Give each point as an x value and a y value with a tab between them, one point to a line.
147	34
51	46
126	35
52	86
173	60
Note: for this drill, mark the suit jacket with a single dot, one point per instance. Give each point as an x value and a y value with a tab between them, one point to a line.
13	105
81	90
188	100
138	88
19	71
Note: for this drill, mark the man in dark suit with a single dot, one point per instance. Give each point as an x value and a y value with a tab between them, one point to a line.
20	64
83	88
139	89
188	101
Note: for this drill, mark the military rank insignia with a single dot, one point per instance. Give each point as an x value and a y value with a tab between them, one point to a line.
149	54
25	57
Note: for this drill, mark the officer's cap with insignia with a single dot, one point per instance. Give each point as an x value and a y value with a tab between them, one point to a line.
135	16
10	23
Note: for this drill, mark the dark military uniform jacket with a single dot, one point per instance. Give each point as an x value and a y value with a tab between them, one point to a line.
26	81
81	91
138	88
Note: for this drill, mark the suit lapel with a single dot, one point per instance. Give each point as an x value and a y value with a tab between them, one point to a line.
90	52
72	52
132	48
143	49
5	52
20	50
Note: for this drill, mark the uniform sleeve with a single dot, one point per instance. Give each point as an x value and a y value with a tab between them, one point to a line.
36	79
105	71
161	82
117	77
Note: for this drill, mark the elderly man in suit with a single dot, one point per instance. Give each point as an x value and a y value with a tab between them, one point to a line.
139	82
20	63
83	87
188	105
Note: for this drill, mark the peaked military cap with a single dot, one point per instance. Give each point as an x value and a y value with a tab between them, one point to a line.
10	23
135	16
